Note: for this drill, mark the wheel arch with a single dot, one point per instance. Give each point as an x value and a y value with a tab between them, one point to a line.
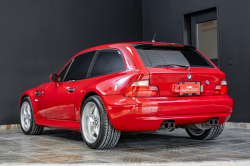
92	93
29	93
23	96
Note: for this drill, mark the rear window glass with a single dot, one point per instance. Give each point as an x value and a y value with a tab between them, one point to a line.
107	62
153	57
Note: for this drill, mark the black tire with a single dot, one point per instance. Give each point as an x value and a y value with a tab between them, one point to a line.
34	129
108	136
209	134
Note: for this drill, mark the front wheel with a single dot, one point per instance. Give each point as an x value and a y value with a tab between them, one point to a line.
96	129
28	124
209	134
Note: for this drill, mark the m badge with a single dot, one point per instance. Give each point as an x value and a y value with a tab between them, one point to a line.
189	76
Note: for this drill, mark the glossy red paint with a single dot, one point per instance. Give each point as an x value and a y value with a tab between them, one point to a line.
58	102
165	78
59	108
139	114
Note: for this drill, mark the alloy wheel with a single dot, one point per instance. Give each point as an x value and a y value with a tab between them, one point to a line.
26	116
90	122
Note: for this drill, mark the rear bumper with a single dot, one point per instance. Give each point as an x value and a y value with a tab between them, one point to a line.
142	114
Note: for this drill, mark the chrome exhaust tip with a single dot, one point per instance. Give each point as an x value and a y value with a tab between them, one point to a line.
172	125
216	122
211	122
167	125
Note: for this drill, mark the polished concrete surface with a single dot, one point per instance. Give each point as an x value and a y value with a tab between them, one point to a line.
59	146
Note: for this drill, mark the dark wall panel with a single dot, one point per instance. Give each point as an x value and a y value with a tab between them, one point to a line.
38	37
166	19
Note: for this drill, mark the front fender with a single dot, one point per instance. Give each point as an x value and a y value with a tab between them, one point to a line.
31	94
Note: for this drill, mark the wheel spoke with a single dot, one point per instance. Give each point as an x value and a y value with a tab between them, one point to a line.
98	118
25	111
91	119
29	117
89	127
95	131
95	112
91	110
26	121
29	111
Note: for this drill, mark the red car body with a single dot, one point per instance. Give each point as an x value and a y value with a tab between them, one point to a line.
56	107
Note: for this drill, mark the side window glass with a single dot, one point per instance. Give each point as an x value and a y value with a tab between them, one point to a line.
79	67
62	74
107	62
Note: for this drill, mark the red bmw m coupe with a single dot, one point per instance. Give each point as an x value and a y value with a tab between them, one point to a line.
135	86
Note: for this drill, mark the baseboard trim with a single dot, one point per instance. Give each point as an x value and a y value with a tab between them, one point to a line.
10	127
236	125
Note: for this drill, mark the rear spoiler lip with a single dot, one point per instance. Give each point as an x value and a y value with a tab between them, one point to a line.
166	45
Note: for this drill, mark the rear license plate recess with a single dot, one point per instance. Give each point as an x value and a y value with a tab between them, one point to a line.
190	88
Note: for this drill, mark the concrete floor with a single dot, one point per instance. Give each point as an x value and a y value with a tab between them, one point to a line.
59	146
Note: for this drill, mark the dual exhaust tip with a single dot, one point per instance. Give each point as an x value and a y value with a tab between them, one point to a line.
169	125
213	122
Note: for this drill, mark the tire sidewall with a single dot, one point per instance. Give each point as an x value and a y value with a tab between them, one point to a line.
102	113
200	137
32	116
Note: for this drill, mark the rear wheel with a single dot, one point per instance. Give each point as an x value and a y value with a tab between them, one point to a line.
96	129
27	119
209	134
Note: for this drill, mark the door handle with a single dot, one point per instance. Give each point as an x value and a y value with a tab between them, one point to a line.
71	89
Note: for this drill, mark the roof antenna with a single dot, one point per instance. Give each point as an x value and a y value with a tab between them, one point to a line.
154	38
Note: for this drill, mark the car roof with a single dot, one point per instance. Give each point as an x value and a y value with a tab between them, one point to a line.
136	43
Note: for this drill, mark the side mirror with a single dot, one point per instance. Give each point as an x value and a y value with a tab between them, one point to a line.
55	78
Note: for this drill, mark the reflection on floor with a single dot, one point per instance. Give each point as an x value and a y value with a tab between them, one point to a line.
59	146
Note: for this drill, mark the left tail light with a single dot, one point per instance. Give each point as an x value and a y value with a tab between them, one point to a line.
141	88
221	89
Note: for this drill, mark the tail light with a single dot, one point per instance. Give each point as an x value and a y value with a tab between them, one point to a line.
221	89
141	89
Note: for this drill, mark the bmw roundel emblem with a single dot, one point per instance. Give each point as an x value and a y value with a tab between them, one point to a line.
189	76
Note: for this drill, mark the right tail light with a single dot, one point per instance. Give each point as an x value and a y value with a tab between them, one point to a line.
221	89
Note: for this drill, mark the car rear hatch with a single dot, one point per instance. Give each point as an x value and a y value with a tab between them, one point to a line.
179	70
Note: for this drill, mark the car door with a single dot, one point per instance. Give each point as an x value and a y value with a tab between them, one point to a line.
60	98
